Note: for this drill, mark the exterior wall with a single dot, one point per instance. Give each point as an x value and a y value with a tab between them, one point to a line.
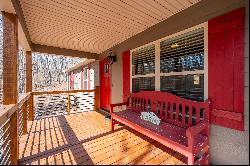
227	146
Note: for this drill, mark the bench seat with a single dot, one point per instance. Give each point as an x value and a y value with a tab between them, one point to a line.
167	130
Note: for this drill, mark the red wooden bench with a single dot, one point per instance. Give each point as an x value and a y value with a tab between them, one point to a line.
184	124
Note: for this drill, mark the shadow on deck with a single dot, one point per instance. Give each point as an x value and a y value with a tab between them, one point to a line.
85	138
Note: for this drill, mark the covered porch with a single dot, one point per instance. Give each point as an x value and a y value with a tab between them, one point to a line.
129	47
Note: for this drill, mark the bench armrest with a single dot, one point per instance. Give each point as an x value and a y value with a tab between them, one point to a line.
196	129
117	105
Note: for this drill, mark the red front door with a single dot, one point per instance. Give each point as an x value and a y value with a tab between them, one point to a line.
105	80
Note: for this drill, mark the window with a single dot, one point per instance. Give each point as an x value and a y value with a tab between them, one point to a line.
143	84
143	69
182	65
85	78
183	53
143	61
77	81
186	86
175	64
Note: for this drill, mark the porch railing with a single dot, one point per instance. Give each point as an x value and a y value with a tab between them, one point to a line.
14	118
13	124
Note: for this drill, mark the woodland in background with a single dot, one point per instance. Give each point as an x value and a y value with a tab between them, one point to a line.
48	70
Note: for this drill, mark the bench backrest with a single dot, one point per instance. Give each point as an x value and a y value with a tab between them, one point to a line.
169	108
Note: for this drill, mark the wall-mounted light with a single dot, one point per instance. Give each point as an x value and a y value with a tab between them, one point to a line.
111	58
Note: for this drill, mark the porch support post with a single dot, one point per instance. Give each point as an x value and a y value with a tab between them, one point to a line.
97	98
10	67
29	80
28	71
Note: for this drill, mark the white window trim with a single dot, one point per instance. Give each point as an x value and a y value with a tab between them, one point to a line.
158	73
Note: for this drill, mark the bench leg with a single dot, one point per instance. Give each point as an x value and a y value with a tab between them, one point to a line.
112	125
208	159
191	159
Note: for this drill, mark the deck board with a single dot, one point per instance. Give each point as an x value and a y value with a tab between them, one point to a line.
85	138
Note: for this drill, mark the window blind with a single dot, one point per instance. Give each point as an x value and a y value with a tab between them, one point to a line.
143	84
143	61
183	53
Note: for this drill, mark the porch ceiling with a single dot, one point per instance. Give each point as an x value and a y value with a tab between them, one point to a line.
93	26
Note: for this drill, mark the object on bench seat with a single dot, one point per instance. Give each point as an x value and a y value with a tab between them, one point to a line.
184	124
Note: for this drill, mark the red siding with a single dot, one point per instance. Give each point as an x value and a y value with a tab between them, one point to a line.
226	69
126	74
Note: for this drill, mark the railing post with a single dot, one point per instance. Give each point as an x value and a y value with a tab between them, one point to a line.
25	117
14	136
68	103
31	109
97	98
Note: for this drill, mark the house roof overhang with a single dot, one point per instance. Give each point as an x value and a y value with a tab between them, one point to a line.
80	65
87	28
90	28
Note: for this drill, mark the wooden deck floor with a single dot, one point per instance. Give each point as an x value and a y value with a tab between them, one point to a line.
86	139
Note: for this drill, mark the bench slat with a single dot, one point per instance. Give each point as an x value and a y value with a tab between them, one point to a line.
177	112
198	109
190	115
183	114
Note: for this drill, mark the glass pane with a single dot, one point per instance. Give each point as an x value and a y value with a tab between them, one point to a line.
143	61
85	85
189	87
143	84
183	53
85	73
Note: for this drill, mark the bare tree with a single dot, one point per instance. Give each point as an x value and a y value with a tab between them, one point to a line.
47	70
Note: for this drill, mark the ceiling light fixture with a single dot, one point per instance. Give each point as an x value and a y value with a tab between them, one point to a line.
174	45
